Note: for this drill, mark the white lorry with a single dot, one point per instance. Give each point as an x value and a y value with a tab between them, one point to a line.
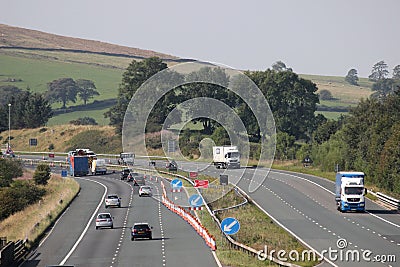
99	166
350	191
226	157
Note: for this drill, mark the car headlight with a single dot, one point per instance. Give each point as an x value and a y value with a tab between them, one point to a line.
361	204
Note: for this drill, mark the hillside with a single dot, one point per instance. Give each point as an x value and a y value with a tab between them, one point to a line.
32	58
14	37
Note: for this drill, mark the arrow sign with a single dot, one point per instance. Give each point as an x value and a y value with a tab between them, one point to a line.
195	200
230	226
176	184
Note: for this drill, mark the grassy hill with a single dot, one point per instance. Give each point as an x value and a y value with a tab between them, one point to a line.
32	59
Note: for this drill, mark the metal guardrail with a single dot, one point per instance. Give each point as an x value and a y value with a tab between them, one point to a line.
392	202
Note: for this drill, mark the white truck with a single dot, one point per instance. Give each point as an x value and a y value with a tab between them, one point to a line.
350	191
99	166
226	157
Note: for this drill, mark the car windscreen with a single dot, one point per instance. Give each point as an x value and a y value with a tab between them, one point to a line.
112	197
104	216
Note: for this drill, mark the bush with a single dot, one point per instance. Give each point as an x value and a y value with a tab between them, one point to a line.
42	174
84	121
325	95
17	197
97	141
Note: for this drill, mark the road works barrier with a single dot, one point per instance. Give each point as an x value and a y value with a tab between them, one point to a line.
189	218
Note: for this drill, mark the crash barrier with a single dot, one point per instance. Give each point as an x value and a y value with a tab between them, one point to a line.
189	218
13	253
392	202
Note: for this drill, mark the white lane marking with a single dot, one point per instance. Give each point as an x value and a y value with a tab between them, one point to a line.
89	222
376	216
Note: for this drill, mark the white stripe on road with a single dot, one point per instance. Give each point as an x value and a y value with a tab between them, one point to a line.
88	224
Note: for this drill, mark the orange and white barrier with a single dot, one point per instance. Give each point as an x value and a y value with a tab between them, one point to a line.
189	218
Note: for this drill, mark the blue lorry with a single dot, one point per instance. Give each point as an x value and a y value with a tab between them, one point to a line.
78	165
350	191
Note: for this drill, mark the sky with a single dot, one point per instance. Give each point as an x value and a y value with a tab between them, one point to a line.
321	37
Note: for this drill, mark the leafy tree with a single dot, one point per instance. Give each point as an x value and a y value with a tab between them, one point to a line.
396	72
86	89
384	87
293	100
325	130
379	71
220	136
63	90
28	110
352	77
285	148
42	174
9	169
280	66
84	121
197	90
6	92
134	76
325	95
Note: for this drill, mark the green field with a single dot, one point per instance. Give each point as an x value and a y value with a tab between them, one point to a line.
36	73
34	69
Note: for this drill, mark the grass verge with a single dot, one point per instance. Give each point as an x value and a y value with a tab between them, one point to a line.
32	222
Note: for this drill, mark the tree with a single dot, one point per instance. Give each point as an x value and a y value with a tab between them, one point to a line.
379	71
42	174
9	169
134	76
62	90
293	100
6	92
197	90
396	72
384	87
28	110
86	89
352	77
325	95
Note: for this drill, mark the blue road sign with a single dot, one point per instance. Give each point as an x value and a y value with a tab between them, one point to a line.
230	226
64	173
195	200
176	184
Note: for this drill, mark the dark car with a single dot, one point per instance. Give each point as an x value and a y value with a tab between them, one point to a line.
141	230
172	166
124	173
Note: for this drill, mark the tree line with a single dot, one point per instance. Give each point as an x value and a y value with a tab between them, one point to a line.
32	110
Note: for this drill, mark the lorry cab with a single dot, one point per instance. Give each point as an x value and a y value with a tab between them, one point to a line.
350	191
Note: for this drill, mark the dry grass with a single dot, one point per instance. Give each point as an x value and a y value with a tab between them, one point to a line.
31	222
56	135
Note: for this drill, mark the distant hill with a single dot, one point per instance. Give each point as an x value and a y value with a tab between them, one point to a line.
14	37
31	58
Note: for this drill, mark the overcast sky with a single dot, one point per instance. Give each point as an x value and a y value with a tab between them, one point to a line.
312	37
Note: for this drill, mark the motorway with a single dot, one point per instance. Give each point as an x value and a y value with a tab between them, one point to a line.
305	206
75	241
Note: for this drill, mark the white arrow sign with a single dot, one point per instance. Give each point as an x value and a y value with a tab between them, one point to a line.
195	202
228	228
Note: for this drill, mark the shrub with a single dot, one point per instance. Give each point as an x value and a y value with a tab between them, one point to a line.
325	95
84	121
9	169
42	174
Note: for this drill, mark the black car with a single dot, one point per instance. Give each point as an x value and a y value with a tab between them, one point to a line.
141	230
124	173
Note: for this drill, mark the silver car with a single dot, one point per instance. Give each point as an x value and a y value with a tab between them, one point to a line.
104	220
112	200
145	190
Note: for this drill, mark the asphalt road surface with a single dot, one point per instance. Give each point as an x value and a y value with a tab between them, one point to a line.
75	241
